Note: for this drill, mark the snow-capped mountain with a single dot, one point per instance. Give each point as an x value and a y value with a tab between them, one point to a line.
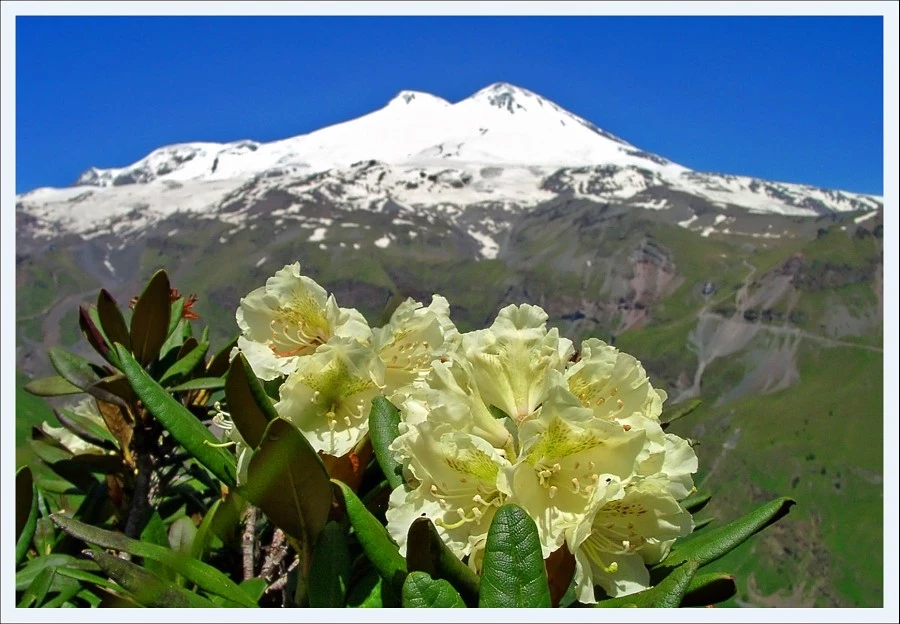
503	146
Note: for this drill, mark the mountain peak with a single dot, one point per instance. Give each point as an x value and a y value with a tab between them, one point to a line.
416	98
506	96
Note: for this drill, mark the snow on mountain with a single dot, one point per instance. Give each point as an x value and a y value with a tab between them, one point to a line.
504	146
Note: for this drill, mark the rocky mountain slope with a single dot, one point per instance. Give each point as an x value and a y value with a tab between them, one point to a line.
764	299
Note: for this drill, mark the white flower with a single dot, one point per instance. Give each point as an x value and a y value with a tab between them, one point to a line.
512	358
414	337
288	318
454	479
610	545
613	384
328	396
568	459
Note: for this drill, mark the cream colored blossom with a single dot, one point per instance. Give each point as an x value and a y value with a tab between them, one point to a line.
620	535
413	338
567	460
329	395
289	318
512	358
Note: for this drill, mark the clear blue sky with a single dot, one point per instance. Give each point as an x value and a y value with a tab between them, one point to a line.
784	98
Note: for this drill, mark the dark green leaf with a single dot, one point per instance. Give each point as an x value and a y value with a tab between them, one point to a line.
700	524
26	512
44	536
250	407
185	363
150	321
708	589
422	591
331	568
513	573
74	368
497	413
206	577
155	533
711	545
200	383
30	570
67	589
178	421
693	504
111	320
286	479
676	412
668	593
36	592
374	539
147	588
366	592
86	429
218	364
54	385
427	552
384	420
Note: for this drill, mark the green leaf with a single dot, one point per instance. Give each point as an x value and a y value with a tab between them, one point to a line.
26	511
677	412
331	564
86	429
37	590
708	589
420	590
384	421
186	363
67	589
204	576
200	383
74	368
150	321
111	320
254	587
178	421
55	385
204	534
30	570
286	479
513	573
218	364
668	593
693	504
374	539
155	533
711	545
497	413
176	311
147	588
427	552
250	407
366	592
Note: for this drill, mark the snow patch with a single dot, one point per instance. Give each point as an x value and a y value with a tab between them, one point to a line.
318	234
687	222
489	246
382	242
261	261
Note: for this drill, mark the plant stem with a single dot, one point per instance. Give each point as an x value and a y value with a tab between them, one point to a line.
249	541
